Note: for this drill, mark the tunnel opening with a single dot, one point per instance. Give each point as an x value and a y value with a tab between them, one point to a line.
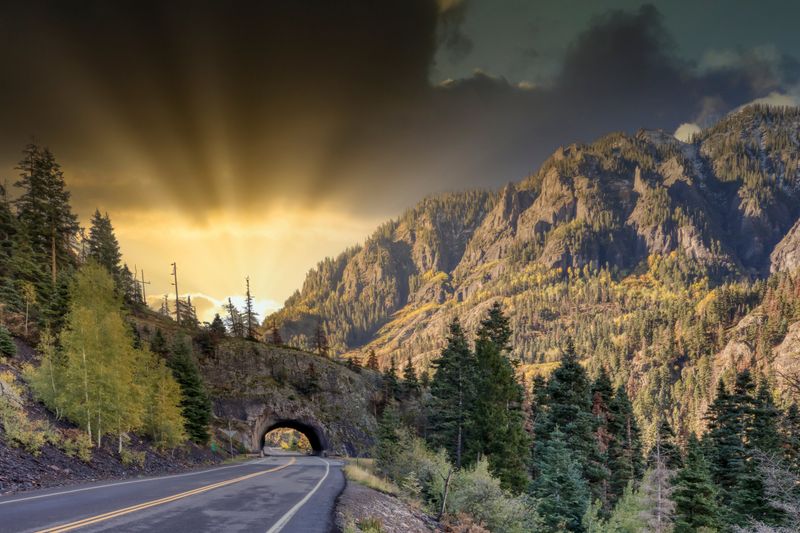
284	431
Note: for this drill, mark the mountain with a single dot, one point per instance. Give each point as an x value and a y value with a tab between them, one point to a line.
644	249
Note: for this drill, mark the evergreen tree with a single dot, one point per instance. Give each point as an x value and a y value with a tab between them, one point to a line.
195	403
452	396
321	340
790	437
250	315
234	320
7	346
391	385
764	433
625	449
560	489
410	381
158	344
568	407
44	209
103	244
372	361
217	328
598	471
499	421
694	493
664	446
388	445
275	335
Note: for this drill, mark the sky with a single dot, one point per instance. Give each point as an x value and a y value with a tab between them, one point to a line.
254	138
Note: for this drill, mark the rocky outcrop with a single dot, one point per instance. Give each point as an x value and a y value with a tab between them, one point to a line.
786	255
720	205
257	388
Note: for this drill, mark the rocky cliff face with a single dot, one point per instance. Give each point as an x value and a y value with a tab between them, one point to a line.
726	204
257	387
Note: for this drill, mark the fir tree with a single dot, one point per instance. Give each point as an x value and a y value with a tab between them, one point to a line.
499	421
103	244
764	433
391	385
410	381
560	489
452	396
250	315
790	437
664	446
44	209
625	450
598	471
195	403
158	344
234	320
217	328
388	445
321	340
372	361
694	493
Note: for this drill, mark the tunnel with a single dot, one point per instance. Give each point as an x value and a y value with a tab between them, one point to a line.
315	435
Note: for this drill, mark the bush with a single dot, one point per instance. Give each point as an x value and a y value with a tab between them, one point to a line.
132	458
7	346
76	443
475	492
19	429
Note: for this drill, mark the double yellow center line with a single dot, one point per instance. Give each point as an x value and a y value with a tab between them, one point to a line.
146	505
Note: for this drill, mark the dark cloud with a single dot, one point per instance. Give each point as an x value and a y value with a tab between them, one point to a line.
233	102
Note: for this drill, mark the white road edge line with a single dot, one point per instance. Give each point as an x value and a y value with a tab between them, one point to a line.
94	487
280	524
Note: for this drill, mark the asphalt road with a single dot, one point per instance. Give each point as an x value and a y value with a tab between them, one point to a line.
286	494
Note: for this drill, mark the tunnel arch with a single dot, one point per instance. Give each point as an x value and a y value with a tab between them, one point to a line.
315	435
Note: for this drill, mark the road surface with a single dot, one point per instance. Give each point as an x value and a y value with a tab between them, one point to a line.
287	494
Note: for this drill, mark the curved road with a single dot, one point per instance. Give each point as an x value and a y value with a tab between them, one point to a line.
289	494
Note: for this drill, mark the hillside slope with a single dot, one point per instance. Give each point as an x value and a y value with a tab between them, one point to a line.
629	244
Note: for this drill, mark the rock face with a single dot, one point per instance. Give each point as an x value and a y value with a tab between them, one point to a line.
727	204
786	255
257	388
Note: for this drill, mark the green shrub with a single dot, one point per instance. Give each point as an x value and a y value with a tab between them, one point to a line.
7	346
132	458
19	429
476	492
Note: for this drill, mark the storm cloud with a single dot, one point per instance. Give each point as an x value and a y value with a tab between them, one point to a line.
207	105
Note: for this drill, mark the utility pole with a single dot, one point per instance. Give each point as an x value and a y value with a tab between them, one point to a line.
143	283
177	296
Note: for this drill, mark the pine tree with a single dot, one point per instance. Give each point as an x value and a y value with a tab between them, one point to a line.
103	244
391	385
764	433
44	209
625	450
790	436
567	407
598	471
410	381
560	489
499	421
275	335
388	446
250	315
452	396
372	361
195	403
234	320
665	446
694	493
321	340
7	346
217	328
158	344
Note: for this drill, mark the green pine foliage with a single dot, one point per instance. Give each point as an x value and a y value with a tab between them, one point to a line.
452	396
103	246
7	346
560	489
695	494
195	402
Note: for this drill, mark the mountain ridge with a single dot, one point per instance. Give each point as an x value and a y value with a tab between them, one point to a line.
614	243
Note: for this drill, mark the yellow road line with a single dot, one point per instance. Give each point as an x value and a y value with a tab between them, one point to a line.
146	505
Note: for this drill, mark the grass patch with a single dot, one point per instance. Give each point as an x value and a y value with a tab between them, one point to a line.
361	472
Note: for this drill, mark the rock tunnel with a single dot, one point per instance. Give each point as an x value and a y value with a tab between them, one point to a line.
313	432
